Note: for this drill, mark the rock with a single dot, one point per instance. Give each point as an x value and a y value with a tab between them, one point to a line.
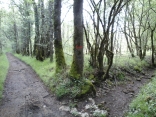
88	106
94	107
64	108
98	112
138	79
75	112
92	101
85	115
64	103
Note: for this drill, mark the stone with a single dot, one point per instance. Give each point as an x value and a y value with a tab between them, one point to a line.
85	114
64	108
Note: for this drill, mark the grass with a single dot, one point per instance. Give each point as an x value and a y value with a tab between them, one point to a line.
45	69
129	62
58	83
4	65
61	84
144	105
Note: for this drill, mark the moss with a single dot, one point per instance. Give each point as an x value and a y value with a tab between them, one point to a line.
137	68
87	88
74	72
59	55
91	77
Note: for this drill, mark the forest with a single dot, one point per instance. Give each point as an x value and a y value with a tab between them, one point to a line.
77	58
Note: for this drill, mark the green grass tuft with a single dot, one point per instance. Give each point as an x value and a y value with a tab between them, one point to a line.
4	65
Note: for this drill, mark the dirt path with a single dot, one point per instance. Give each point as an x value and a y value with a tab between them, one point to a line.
25	95
117	99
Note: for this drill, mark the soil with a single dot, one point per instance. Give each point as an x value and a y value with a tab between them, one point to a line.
115	98
26	96
118	98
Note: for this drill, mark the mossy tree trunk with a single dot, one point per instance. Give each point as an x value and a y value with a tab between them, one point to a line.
78	58
59	54
76	71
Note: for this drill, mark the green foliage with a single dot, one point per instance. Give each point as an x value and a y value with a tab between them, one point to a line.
125	64
86	88
4	65
64	86
130	63
144	105
137	68
99	114
121	76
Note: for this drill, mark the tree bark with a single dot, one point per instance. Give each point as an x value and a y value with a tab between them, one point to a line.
51	29
76	71
59	54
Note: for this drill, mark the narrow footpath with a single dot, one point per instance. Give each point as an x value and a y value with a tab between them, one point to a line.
25	95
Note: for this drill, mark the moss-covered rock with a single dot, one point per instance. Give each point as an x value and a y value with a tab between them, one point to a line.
86	88
137	68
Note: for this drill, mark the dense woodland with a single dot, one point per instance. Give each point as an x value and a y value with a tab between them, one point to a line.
85	46
92	33
97	31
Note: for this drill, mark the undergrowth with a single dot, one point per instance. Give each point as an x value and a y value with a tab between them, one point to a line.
62	85
4	65
144	105
130	63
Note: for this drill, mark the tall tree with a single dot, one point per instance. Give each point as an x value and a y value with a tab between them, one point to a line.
50	28
78	57
59	54
37	32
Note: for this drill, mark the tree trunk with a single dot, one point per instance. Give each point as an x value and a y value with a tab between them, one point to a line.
37	33
59	54
76	71
51	29
152	46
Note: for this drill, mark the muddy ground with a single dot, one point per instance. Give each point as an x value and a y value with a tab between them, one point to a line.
26	96
116	98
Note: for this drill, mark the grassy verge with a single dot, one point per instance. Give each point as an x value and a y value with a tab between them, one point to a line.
61	84
44	69
144	105
4	65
